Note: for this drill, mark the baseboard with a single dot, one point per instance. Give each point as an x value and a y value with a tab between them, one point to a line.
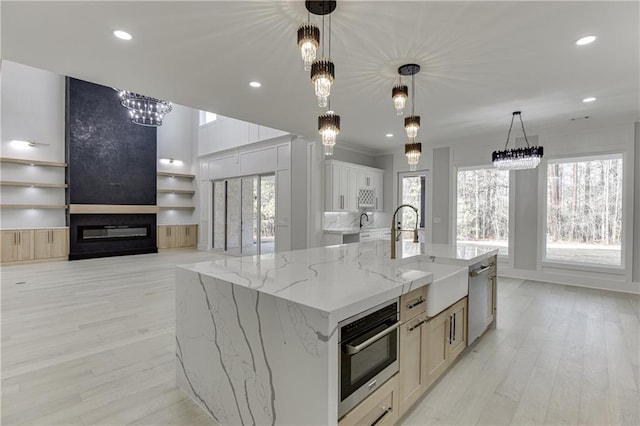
94	255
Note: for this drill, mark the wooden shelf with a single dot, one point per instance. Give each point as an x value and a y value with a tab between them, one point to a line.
32	162
176	191
176	175
112	209
176	207
33	206
33	184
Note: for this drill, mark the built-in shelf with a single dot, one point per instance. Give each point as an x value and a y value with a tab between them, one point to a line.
176	191
112	209
33	206
32	162
176	207
33	184
176	175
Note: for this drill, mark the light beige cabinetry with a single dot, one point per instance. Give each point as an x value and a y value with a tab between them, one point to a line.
17	245
177	236
380	408
349	187
413	346
51	243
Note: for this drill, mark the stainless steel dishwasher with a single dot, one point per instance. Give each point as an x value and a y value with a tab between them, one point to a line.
478	275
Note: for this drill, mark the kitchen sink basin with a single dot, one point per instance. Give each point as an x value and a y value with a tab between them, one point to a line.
450	284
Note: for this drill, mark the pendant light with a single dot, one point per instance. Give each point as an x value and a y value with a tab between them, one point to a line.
329	127
399	94
144	110
322	70
308	42
412	147
517	158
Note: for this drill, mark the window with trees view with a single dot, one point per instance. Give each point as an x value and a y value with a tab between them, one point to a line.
483	208
584	211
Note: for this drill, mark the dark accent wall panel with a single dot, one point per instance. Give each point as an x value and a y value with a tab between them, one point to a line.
110	159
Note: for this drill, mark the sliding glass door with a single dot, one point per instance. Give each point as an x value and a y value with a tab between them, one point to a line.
244	215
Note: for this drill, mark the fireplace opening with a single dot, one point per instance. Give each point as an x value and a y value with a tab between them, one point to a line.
112	232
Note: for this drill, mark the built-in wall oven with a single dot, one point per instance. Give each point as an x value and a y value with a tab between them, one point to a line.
368	353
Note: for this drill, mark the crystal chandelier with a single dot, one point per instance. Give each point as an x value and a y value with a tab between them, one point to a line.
399	94
329	127
144	110
322	70
412	148
308	42
517	158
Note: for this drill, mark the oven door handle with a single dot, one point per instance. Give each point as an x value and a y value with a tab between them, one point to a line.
352	350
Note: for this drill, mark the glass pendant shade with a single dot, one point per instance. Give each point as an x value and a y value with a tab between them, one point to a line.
308	42
412	150
411	125
322	76
144	110
517	158
329	127
399	95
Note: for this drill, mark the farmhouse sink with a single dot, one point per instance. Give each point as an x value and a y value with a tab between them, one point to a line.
450	284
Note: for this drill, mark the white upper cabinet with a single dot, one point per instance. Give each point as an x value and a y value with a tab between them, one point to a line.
350	187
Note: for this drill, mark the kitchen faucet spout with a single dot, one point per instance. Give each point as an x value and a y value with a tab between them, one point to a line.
395	232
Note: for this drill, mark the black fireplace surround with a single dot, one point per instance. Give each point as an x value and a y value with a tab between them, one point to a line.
88	241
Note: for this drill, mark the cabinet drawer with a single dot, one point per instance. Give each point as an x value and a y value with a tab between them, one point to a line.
380	408
413	303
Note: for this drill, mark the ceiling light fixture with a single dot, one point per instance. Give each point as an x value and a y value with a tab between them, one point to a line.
255	84
517	158
589	99
329	127
122	35
389	135
308	42
144	110
399	94
322	70
586	40
412	148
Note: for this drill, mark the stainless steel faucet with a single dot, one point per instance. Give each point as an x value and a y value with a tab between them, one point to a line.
394	231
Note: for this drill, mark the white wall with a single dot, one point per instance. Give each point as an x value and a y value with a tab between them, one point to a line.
33	108
226	133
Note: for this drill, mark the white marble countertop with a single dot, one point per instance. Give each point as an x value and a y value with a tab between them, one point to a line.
454	254
340	280
342	231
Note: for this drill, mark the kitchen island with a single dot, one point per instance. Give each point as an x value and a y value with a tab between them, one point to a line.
256	337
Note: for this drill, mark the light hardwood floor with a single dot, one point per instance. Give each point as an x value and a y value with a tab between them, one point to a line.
92	342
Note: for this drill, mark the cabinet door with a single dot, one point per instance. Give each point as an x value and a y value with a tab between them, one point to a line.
42	243
26	242
491	288
59	243
437	348
178	236
350	189
163	236
9	246
458	323
413	344
191	239
379	189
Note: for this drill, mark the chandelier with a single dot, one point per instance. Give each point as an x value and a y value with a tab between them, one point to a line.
322	69
412	147
308	42
517	158
329	127
399	94
144	110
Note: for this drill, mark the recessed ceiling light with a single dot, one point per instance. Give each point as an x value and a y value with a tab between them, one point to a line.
389	135
586	40
589	99
122	35
255	84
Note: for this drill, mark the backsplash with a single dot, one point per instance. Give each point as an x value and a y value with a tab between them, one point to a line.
337	221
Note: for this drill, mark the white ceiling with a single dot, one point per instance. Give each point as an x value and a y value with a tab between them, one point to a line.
480	60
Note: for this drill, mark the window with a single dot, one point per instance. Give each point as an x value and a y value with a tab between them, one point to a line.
207	117
584	211
483	208
412	191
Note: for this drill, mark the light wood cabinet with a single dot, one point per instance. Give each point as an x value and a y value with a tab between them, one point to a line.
51	243
17	245
413	362
457	319
177	236
380	408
